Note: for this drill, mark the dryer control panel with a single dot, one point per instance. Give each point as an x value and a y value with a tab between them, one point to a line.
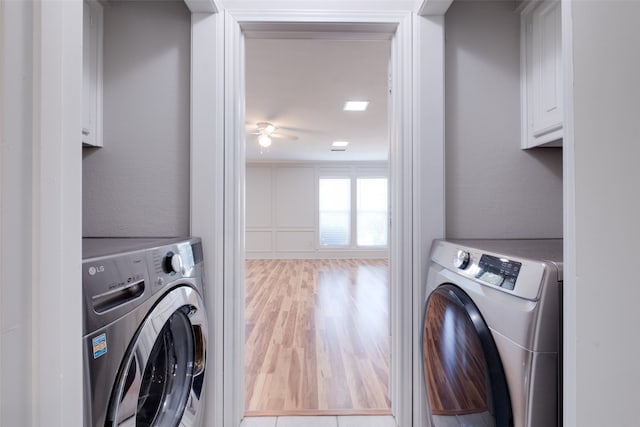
498	271
516	275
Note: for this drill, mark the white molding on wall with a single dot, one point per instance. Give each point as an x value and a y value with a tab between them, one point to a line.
267	222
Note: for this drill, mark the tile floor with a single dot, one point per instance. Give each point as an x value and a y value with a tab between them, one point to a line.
326	421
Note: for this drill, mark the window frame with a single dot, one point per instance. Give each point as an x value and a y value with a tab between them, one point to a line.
355	216
353	174
349	177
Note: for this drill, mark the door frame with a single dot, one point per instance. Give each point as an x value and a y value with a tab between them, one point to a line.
217	184
397	27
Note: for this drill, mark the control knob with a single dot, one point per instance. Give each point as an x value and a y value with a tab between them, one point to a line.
173	263
461	259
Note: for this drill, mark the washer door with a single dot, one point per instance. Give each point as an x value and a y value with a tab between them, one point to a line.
462	369
160	381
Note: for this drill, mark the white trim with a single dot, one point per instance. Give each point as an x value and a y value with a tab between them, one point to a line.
429	177
202	6
570	309
4	35
401	256
434	7
401	166
207	177
234	169
427	144
57	214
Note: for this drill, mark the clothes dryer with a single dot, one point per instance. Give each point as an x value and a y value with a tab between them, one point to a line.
491	340
145	332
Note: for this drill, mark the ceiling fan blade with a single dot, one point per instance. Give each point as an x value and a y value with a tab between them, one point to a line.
284	136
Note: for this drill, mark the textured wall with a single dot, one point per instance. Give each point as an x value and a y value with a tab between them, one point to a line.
138	183
493	188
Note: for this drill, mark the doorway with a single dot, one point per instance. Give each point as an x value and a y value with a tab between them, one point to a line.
316	227
394	24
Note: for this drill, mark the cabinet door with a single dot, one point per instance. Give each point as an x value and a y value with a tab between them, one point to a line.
542	65
92	74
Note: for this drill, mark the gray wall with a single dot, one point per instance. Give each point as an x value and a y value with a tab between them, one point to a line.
138	183
493	188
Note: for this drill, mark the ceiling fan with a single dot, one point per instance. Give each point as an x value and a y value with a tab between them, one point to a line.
267	131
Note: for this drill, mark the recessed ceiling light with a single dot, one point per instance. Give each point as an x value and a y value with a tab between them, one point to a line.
340	143
356	105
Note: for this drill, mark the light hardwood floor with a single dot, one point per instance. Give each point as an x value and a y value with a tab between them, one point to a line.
317	337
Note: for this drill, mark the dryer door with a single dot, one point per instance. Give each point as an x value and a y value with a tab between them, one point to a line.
462	368
160	380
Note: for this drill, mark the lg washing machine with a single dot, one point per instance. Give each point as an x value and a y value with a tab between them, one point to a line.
492	333
145	332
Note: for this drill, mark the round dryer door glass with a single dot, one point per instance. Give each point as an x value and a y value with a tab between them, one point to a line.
463	373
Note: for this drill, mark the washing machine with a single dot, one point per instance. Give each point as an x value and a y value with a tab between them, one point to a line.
145	332
492	333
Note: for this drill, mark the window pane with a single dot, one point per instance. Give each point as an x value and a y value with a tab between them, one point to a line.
372	212
335	211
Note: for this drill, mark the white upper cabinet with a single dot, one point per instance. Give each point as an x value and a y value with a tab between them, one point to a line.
92	74
541	74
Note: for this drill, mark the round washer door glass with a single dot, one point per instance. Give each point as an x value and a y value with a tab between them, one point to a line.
161	376
462	368
167	376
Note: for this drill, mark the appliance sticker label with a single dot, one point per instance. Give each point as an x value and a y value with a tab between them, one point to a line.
99	345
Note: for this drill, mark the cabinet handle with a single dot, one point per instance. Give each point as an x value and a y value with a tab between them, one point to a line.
85	131
548	129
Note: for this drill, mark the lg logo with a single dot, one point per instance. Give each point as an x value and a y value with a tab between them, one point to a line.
93	270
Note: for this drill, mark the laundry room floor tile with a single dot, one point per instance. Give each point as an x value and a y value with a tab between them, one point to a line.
320	421
327	421
259	422
366	421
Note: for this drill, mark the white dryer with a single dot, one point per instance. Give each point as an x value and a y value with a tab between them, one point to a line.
492	333
145	332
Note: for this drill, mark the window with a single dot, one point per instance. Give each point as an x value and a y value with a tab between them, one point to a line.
335	211
372	223
366	212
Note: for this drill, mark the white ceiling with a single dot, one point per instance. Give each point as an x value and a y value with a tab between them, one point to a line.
300	85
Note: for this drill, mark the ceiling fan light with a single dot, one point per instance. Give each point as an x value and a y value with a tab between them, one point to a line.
269	129
265	128
264	141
